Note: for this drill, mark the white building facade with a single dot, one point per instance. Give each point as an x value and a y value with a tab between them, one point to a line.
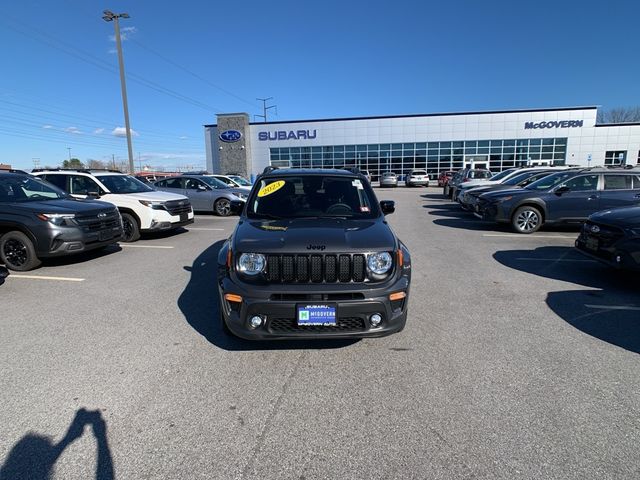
435	142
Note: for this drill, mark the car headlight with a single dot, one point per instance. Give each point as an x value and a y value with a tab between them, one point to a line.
635	231
251	263
502	199
58	219
379	263
153	205
241	196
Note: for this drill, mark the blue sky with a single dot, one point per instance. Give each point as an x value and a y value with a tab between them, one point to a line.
187	61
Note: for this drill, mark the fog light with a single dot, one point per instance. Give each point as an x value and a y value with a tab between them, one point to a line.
255	321
375	319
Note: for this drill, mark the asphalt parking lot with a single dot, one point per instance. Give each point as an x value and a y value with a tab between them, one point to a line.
520	359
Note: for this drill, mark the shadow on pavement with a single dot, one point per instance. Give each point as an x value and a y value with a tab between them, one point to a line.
609	310
34	456
81	257
200	306
164	234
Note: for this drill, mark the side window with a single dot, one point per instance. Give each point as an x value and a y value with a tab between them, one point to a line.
192	184
59	181
162	184
618	182
172	183
582	183
81	185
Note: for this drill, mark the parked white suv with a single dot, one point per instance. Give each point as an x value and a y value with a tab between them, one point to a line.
142	208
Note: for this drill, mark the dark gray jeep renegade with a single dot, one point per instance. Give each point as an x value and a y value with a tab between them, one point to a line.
313	256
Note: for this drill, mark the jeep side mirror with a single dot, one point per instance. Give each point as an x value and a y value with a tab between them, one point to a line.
387	206
562	189
236	206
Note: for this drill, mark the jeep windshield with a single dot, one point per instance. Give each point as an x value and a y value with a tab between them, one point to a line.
124	184
312	196
27	189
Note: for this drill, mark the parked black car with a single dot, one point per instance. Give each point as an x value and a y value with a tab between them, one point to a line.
566	197
39	220
469	198
613	237
464	175
313	256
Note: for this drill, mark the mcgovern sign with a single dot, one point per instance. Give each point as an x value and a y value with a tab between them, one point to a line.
554	124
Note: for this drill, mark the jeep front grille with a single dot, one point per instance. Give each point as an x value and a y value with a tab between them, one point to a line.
316	268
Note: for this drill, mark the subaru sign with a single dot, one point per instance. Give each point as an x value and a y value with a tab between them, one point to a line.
287	135
230	136
554	124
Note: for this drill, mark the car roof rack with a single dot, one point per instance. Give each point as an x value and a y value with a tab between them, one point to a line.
14	170
268	169
81	170
355	170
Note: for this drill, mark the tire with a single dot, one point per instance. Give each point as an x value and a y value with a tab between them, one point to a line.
526	219
222	207
131	229
17	252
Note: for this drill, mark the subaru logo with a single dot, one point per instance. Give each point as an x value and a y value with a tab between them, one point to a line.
102	215
230	136
595	228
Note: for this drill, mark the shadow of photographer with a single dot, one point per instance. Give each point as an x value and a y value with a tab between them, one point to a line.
34	456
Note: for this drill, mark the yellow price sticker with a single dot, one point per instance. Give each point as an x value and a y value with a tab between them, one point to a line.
272	187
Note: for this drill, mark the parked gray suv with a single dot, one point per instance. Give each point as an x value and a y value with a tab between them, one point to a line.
205	192
39	220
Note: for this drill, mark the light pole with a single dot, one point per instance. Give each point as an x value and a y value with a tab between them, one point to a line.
108	17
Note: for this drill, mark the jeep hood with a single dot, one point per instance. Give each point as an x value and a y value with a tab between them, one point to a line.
620	217
310	235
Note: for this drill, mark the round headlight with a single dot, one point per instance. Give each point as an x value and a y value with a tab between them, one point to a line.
379	263
251	263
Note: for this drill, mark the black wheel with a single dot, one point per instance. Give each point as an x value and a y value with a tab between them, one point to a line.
17	252
526	219
222	207
131	229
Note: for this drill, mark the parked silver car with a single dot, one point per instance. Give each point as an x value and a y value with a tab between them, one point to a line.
388	179
205	192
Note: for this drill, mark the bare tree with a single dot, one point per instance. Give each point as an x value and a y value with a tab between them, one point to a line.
96	164
619	115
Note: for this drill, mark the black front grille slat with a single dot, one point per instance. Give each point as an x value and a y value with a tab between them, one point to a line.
344	268
302	268
289	325
316	268
273	268
288	272
330	274
358	268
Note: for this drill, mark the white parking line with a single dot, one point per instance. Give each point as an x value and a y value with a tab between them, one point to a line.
614	307
144	246
517	235
206	229
556	259
42	277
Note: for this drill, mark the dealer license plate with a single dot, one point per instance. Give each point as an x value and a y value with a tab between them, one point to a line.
317	315
591	243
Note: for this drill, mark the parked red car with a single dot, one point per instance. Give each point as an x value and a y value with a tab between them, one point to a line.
444	178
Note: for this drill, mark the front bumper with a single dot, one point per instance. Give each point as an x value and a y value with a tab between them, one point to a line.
277	304
69	241
417	183
614	255
163	220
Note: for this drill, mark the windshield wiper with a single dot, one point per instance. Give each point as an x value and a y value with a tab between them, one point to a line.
268	216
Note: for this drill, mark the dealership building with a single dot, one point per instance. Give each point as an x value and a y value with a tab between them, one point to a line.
436	142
